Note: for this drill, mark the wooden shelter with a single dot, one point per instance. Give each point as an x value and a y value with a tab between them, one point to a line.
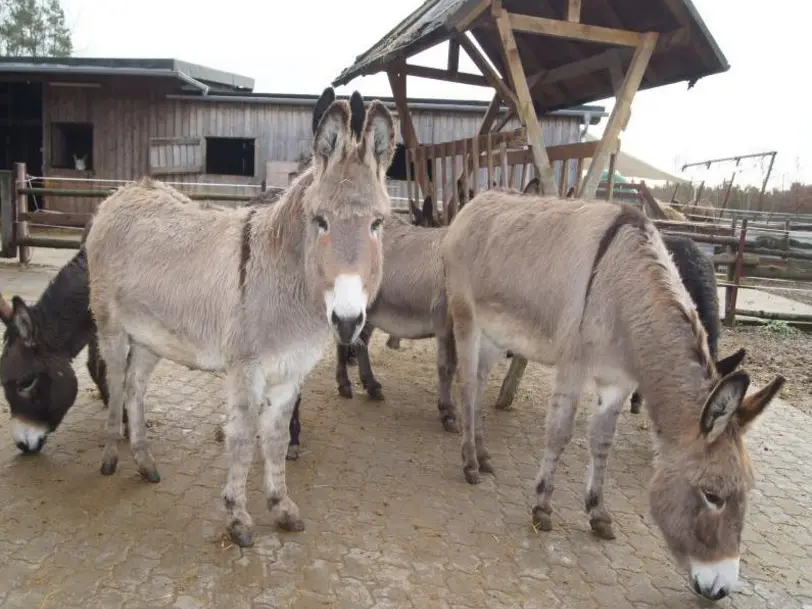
538	56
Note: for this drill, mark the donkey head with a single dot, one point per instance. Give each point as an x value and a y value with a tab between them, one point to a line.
40	386
345	207
80	163
699	489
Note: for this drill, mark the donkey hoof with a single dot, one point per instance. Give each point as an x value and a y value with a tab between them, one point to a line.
241	534
542	520
471	474
345	391
293	452
485	466
291	524
450	424
108	466
151	474
375	393
602	528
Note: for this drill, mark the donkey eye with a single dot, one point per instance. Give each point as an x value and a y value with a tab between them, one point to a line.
321	224
26	385
377	223
713	500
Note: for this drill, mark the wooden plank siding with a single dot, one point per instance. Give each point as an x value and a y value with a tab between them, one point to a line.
133	125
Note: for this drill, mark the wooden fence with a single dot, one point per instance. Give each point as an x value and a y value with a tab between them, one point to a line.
16	221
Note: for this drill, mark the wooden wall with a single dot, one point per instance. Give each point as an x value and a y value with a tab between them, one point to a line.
127	117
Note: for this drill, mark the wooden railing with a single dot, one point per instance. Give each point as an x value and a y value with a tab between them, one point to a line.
462	168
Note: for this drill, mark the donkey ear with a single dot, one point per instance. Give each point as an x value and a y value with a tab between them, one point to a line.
326	98
722	404
730	363
378	138
533	187
332	132
753	405
23	321
357	114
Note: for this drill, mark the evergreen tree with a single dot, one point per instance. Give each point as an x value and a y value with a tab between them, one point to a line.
34	27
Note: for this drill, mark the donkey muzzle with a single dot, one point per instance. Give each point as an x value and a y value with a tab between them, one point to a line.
28	437
347	329
714	581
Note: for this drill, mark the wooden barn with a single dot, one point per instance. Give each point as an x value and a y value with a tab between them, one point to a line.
76	122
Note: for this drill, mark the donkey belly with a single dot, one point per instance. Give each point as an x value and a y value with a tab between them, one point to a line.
169	345
516	335
402	324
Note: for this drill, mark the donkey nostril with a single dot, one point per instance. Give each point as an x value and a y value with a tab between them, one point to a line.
334	318
22	446
359	320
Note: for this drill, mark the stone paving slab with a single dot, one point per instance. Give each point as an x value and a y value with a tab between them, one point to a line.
390	521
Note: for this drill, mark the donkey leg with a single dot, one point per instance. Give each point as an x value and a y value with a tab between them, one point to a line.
602	433
140	364
637	401
245	386
560	414
342	378
446	367
275	436
368	380
113	346
97	369
295	429
466	341
489	353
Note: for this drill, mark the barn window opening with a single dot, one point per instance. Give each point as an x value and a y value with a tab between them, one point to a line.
72	146
232	156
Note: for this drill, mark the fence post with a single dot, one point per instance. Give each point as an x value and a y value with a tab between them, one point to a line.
730	313
8	215
21	228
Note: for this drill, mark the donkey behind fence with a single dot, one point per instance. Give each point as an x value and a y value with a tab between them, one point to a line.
603	301
271	284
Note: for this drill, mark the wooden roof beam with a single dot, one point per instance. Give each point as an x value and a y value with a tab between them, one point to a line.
525	108
620	113
573	31
488	72
453	56
463	78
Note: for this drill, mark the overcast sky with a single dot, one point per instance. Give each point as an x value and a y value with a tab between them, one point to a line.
300	46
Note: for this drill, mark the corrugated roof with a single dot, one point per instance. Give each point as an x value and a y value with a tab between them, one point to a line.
697	55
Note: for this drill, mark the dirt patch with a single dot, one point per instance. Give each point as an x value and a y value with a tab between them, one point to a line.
775	350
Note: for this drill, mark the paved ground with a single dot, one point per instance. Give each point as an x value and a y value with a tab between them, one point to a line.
390	521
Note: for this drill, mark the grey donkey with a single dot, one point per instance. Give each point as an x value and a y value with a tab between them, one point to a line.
253	292
589	286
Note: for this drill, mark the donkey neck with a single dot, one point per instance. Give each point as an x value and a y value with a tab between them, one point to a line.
670	351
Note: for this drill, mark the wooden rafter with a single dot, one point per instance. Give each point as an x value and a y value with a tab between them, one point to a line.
464	78
573	31
620	113
487	71
525	107
490	114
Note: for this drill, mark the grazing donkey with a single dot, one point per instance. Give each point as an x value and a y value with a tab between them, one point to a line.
255	292
589	286
698	275
39	346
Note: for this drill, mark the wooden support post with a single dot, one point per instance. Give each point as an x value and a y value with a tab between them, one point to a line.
490	114
453	56
8	213
730	313
525	108
619	116
574	11
397	80
610	178
21	228
487	71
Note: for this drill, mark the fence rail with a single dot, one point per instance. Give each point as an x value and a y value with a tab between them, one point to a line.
16	222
